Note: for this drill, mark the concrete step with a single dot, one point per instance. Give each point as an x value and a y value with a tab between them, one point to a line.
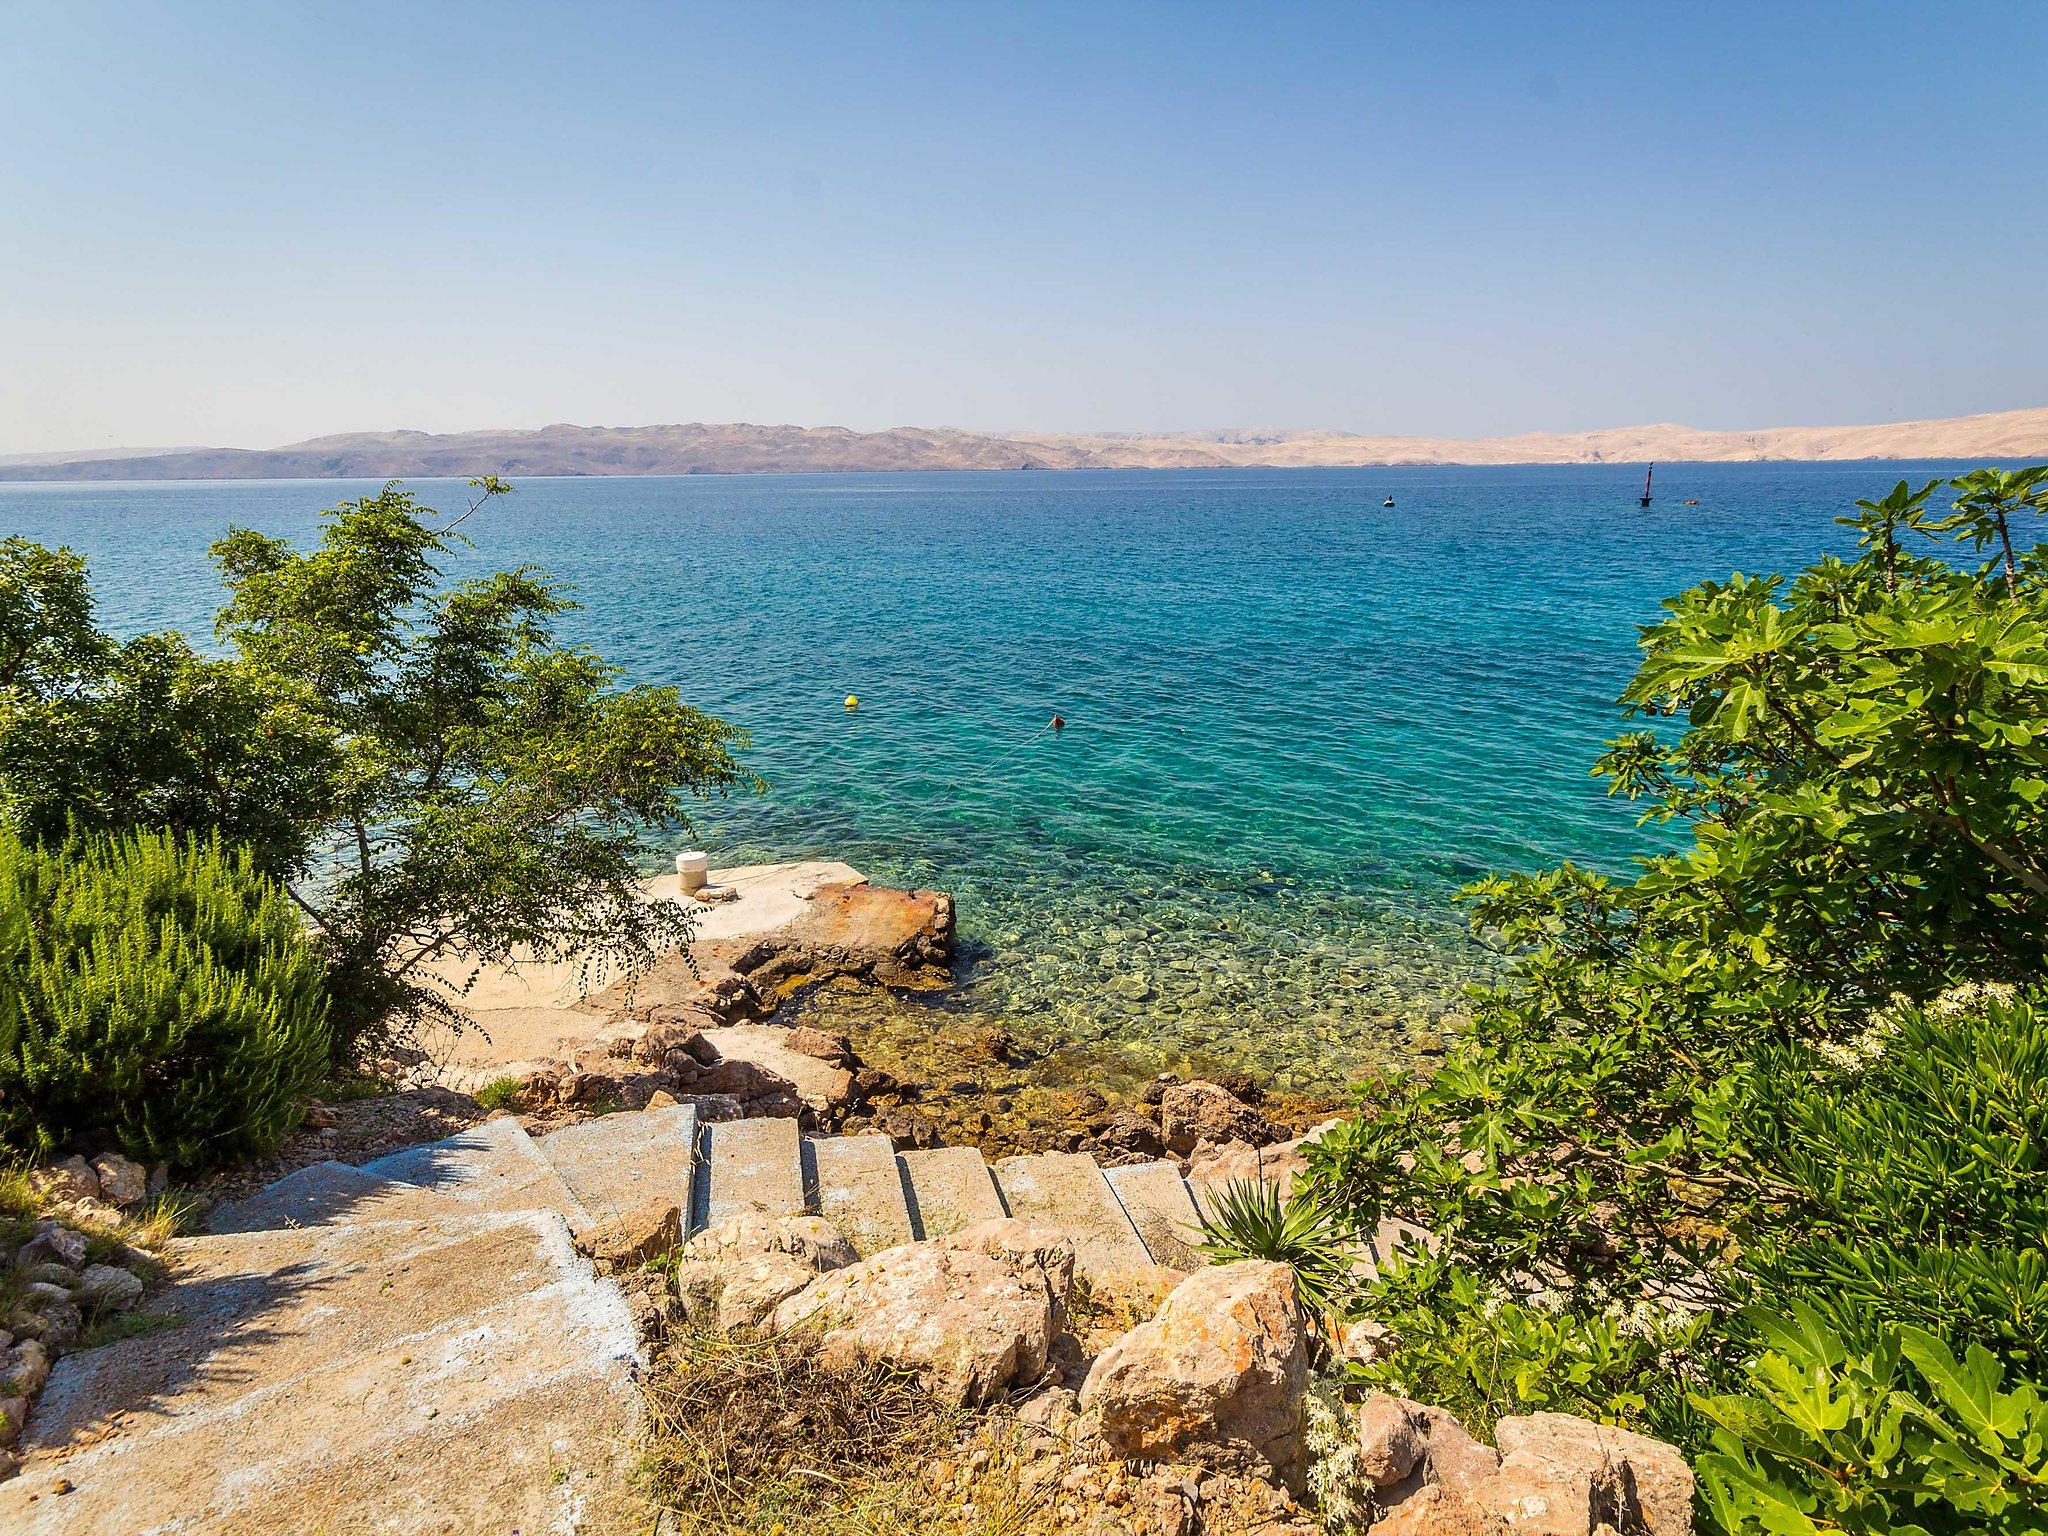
315	1196
860	1190
747	1164
490	1167
617	1164
1156	1198
1067	1192
950	1188
322	1396
268	1306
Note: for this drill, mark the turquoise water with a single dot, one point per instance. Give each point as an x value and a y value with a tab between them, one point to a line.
1297	720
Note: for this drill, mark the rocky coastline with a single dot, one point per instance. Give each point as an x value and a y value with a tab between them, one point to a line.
727	1024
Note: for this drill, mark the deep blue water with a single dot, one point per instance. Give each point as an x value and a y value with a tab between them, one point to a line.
1297	720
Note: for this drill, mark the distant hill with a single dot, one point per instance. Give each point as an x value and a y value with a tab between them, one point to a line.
696	448
74	455
2001	435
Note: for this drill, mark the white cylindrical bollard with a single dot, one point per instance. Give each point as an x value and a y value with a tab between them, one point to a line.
692	870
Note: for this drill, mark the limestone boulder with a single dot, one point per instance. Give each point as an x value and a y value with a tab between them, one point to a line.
812	1240
1204	1114
749	1289
1278	1163
53	1243
1219	1375
1553	1475
1127	1135
1389	1441
72	1179
735	1274
123	1181
756	1063
1407	1446
1555	1469
842	928
109	1285
679	1047
1439	1509
971	1314
746	1081
820	1046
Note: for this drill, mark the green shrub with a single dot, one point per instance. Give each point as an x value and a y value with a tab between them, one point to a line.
1901	1437
1476	1350
153	991
1791	1069
500	1092
1914	1160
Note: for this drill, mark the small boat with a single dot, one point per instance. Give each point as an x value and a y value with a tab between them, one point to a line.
1388	502
1692	501
1644	499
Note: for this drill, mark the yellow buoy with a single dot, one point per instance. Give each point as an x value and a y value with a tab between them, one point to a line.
852	702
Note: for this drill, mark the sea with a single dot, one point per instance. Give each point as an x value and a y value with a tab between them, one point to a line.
1297	720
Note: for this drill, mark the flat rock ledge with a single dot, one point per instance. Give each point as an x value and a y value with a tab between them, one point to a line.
694	1024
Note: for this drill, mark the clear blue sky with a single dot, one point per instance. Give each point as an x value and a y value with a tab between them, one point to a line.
249	224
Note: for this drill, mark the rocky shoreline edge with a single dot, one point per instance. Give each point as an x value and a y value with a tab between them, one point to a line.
724	1025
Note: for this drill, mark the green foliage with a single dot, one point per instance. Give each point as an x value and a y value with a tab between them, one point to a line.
102	735
1916	1161
1900	1437
490	785
1794	1062
1250	1219
500	1093
156	991
440	782
1475	1349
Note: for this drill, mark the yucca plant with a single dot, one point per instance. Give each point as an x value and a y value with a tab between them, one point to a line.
155	991
1251	1219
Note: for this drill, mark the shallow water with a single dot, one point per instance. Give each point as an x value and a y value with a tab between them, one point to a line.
1297	720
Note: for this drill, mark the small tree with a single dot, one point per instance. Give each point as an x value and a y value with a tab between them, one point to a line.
438	781
489	784
96	734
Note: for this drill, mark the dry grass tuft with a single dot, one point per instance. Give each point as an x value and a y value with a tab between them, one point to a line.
756	1433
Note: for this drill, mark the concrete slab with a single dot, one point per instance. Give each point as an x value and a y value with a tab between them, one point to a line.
310	1197
248	1319
490	1167
767	896
860	1190
617	1164
950	1188
748	1164
1156	1199
529	1399
1067	1192
528	1009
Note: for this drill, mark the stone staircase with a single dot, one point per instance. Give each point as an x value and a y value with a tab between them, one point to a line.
348	1338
